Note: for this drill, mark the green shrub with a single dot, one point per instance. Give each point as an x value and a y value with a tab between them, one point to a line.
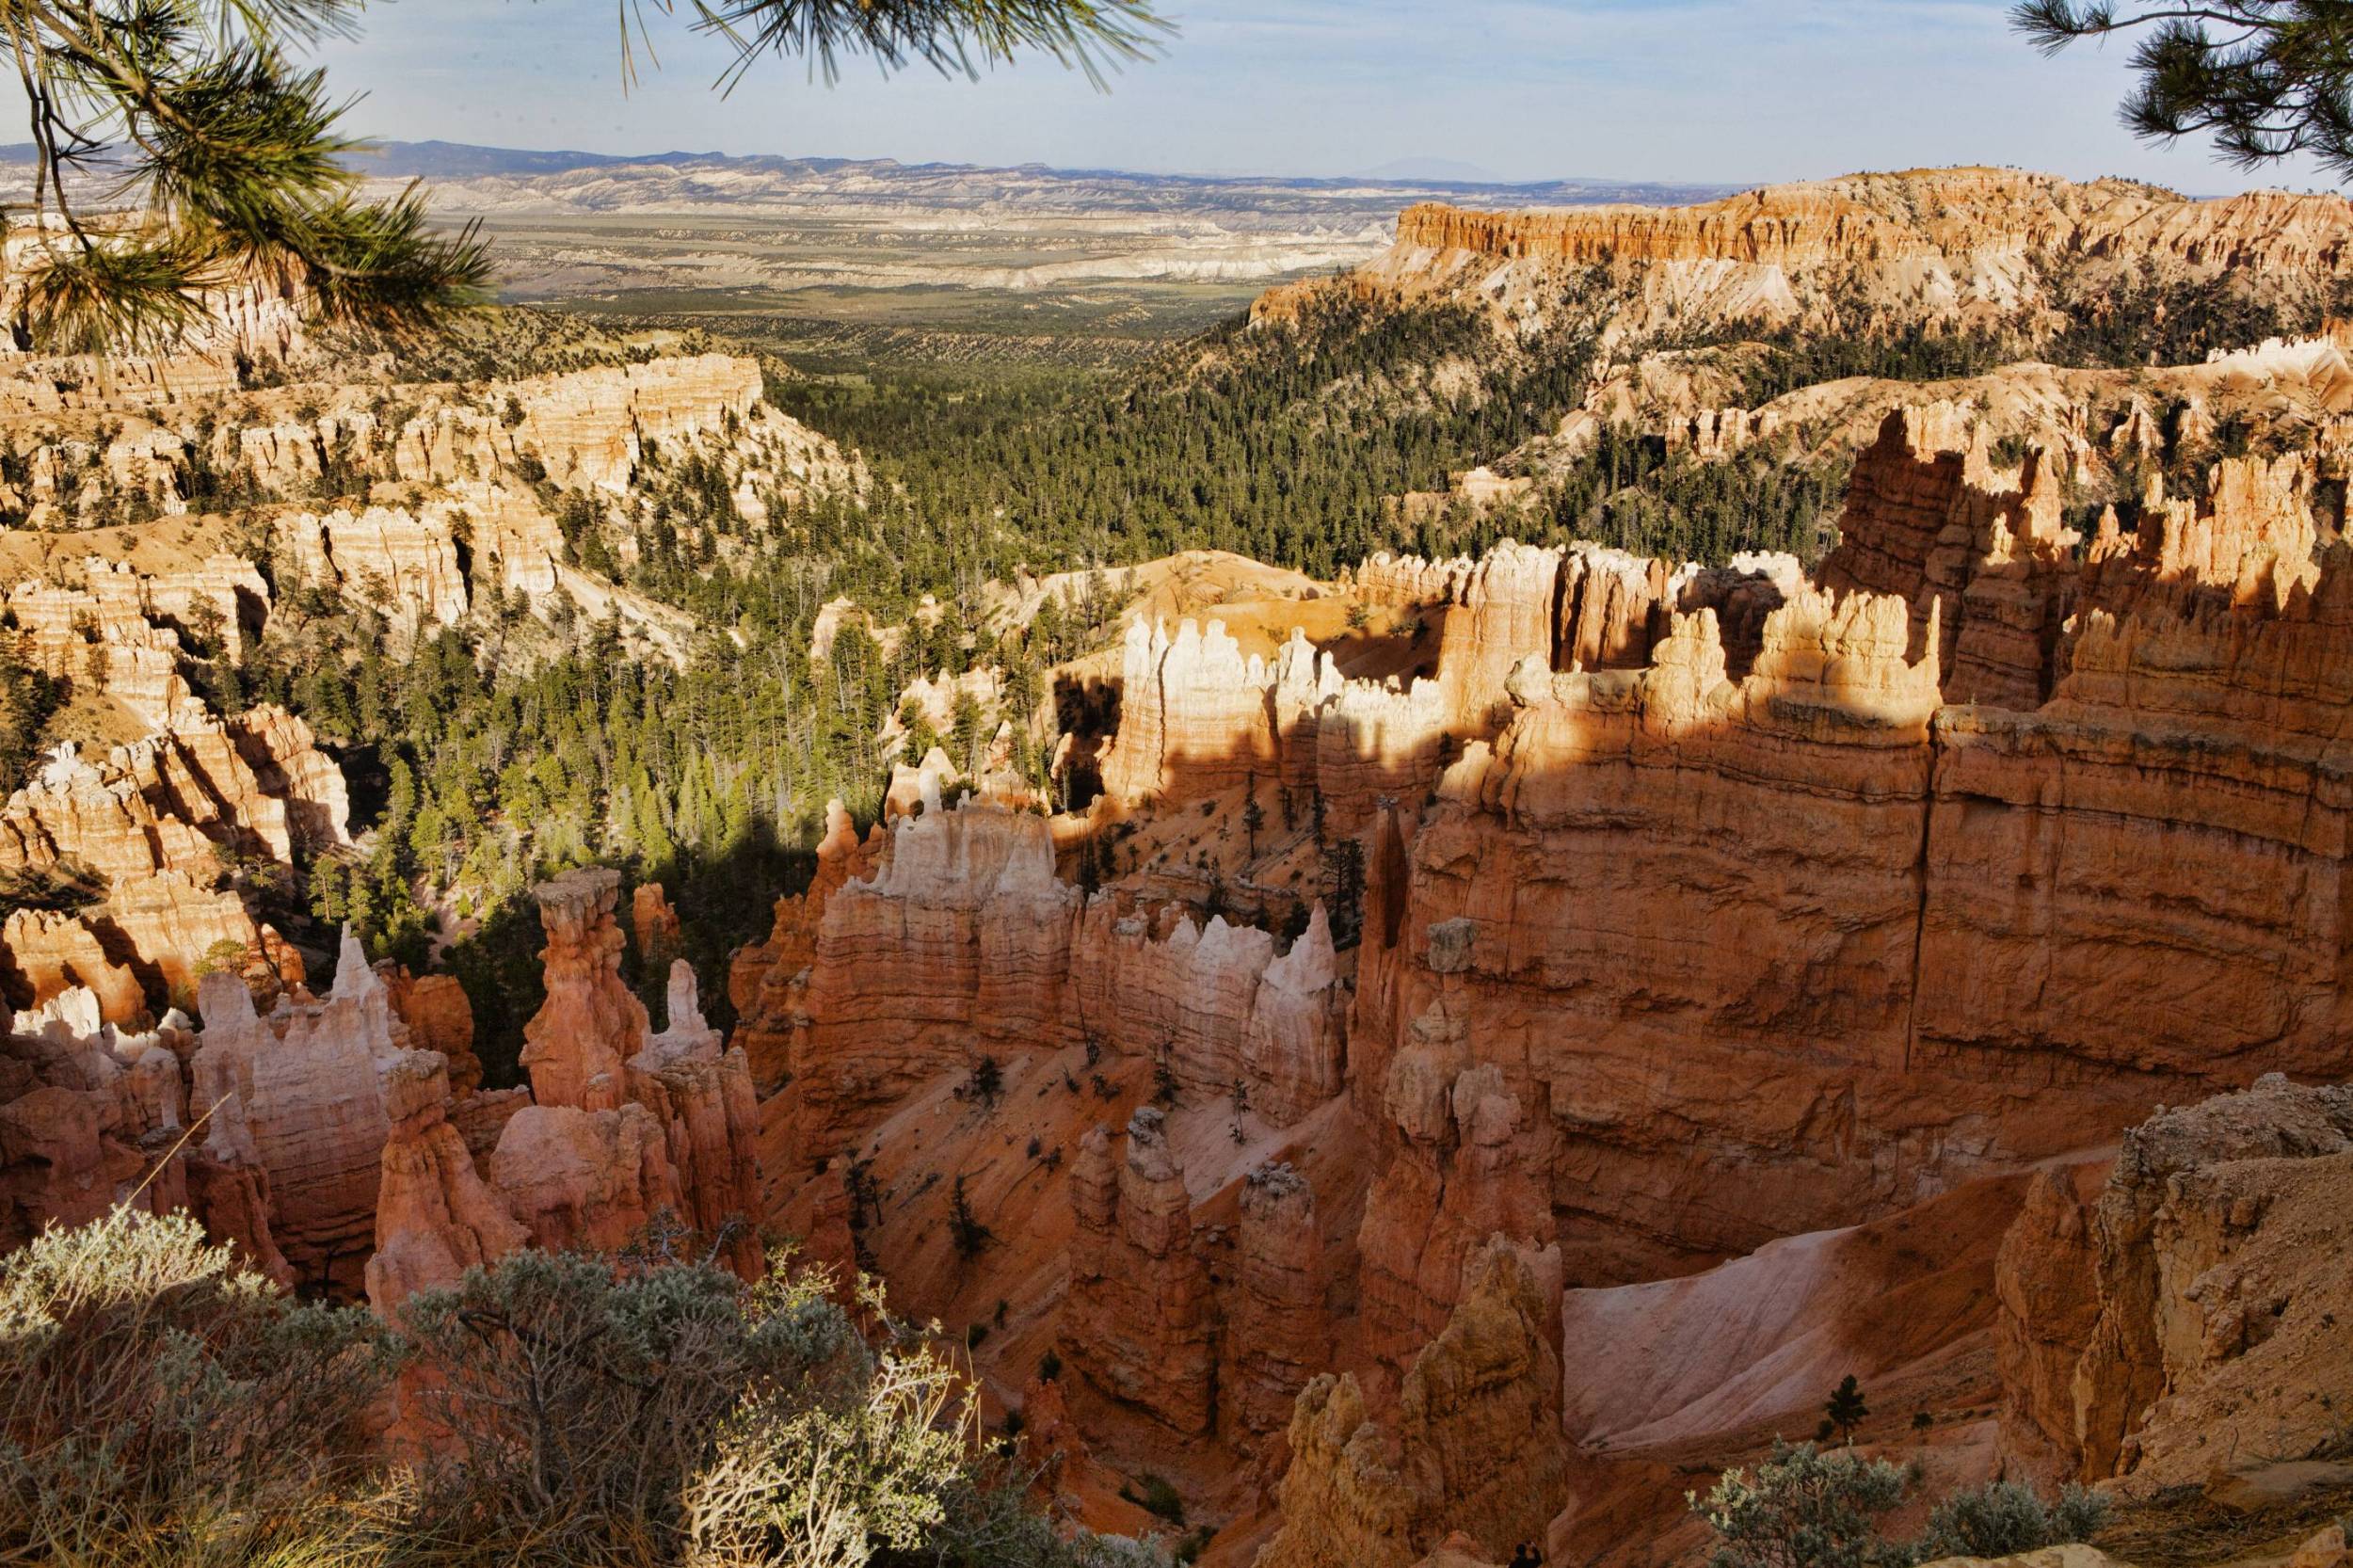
2003	1517
1809	1509
1803	1509
580	1402
160	1404
161	1407
1159	1496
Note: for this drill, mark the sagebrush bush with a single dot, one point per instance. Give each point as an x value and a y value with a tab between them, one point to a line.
161	1405
1810	1509
1804	1508
579	1403
2003	1517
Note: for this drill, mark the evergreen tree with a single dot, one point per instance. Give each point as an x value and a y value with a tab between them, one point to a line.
1846	1409
27	697
196	115
2268	79
193	113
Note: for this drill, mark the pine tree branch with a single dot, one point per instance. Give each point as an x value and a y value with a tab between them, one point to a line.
2266	79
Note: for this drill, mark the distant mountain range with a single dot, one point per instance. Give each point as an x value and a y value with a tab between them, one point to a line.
704	229
1451	170
446	160
471	179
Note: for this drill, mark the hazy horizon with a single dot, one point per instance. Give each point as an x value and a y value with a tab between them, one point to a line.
1718	92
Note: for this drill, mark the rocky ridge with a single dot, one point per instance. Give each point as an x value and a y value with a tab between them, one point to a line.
1672	948
2191	1298
153	828
342	1142
1953	245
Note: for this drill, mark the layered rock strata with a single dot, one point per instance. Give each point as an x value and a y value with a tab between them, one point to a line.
1950	249
122	633
1972	212
1513	930
2201	1292
1931	520
153	825
1195	718
630	1130
591	1023
980	931
301	1092
994	953
2191	687
434	1216
1139	1322
1475	1444
1274	1337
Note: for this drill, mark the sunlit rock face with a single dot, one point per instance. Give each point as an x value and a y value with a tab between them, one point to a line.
1474	1445
1854	1022
629	1129
958	941
434	1216
701	1093
591	1023
1943	248
1699	918
301	1092
155	824
2191	1302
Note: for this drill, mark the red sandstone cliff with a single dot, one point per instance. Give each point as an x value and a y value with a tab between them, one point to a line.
1677	940
627	1126
2195	1299
154	823
1475	1444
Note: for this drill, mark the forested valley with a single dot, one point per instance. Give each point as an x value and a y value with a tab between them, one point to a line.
498	750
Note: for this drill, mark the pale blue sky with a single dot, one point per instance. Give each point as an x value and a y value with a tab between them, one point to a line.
1729	91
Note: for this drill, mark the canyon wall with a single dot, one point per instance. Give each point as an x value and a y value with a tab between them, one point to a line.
2183	1317
237	324
139	865
149	834
1698	916
586	430
1475	1444
1841	947
1957	212
992	952
422	502
1971	248
1697	919
343	1143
